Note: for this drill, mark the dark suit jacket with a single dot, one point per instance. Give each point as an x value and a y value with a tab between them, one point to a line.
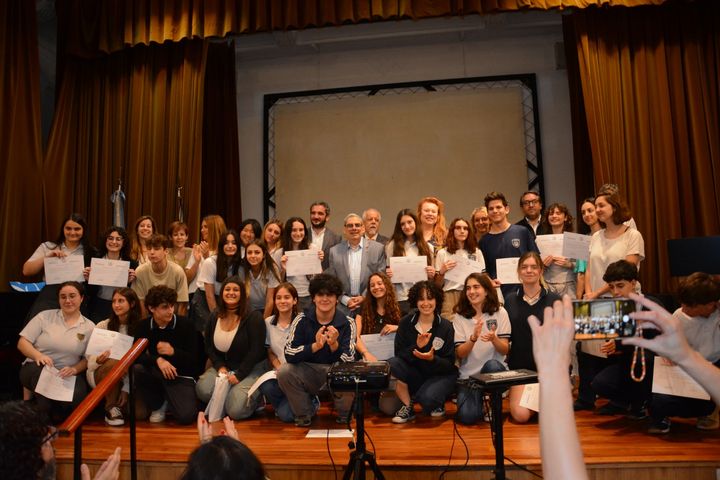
329	240
373	260
381	239
542	230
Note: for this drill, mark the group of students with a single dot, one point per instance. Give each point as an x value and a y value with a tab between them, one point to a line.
253	318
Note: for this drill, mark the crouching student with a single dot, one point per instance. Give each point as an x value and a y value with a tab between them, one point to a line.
319	337
165	372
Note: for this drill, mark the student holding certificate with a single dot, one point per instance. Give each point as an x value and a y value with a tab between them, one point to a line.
56	338
124	318
295	237
379	313
559	271
115	246
458	243
407	241
72	240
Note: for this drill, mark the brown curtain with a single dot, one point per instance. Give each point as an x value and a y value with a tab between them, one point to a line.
220	192
20	139
651	90
135	116
96	26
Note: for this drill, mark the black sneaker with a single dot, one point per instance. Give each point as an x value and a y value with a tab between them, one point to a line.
612	409
637	413
303	421
405	414
660	426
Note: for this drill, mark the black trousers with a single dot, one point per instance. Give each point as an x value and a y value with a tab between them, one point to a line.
154	389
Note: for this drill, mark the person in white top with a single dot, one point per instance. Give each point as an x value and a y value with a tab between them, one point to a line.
479	316
457	244
295	237
272	236
559	273
407	241
615	242
124	318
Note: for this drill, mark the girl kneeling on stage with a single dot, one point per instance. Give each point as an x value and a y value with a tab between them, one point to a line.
482	333
424	362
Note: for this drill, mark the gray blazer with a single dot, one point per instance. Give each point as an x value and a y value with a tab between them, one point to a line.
373	260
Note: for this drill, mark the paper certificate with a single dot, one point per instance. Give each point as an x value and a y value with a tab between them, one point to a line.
463	267
110	273
382	346
102	340
269	375
408	269
507	270
575	245
302	262
550	245
672	380
64	269
51	385
531	397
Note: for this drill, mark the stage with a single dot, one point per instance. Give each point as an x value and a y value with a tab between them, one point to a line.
614	448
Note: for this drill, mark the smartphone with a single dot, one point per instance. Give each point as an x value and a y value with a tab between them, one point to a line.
604	318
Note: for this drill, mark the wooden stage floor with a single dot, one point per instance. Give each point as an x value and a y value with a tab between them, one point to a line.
614	447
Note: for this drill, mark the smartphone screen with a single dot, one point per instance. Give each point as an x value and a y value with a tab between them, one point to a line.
604	318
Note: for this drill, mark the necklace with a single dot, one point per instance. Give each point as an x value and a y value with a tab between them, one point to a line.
641	351
530	298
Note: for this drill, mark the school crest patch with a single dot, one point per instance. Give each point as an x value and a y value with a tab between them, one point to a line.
515	242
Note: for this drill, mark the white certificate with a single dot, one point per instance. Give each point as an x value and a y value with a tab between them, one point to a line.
102	340
531	397
382	346
463	267
302	262
672	380
576	245
110	273
408	269
52	386
550	245
507	270
64	269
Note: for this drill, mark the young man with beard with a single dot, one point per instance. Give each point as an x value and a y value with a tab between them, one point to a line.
322	237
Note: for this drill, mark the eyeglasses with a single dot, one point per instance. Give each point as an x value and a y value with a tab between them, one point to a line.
530	203
353	225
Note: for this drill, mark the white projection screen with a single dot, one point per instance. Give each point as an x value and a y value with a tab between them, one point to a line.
388	151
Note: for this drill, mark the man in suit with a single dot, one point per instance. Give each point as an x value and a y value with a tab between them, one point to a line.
371	219
352	261
531	205
322	237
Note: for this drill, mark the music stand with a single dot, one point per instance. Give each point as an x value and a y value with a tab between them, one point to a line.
496	384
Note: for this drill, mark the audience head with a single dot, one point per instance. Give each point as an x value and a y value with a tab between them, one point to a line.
478	288
223	458
531	204
621	277
232	296
115	239
423	291
611	209
250	230
319	214
26	450
371	219
699	294
295	233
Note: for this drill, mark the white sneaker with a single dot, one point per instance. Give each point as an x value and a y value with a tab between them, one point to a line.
158	416
114	417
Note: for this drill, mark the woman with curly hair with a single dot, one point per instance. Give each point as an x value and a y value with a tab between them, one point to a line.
424	362
560	275
379	313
